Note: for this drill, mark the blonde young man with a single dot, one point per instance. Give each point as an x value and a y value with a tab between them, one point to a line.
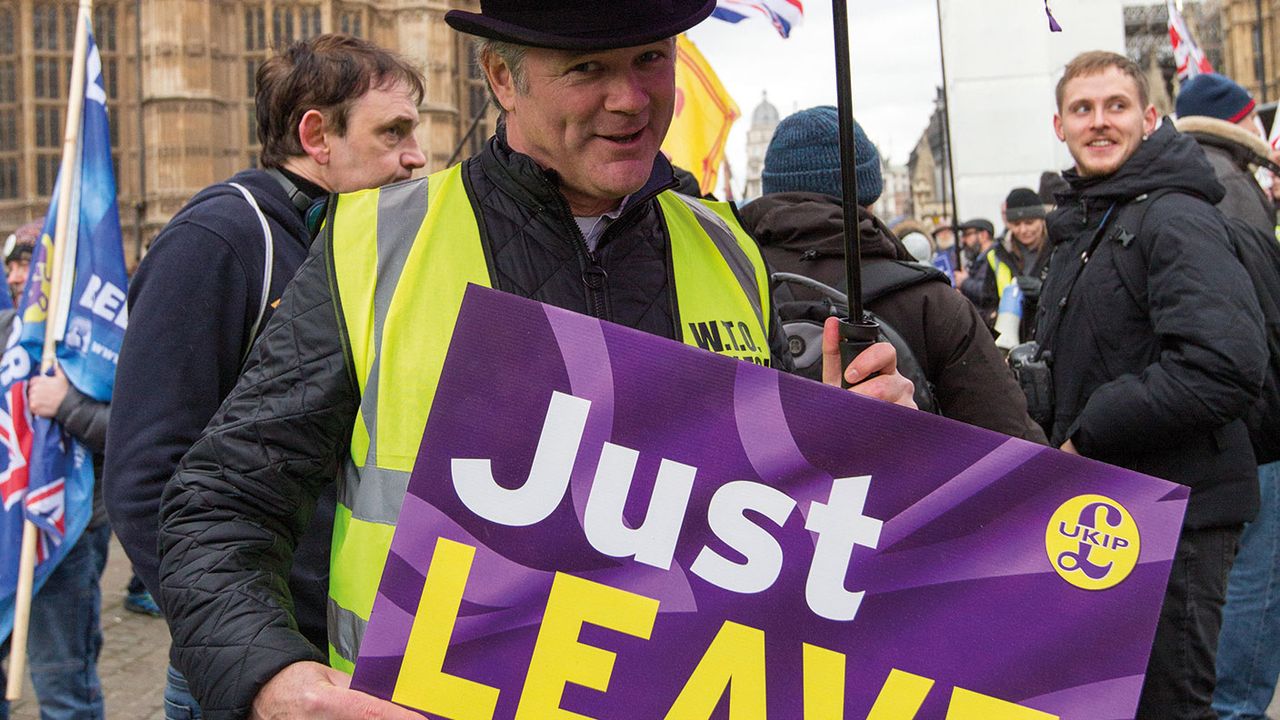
1155	341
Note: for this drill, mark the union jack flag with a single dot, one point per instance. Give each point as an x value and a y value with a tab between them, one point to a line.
15	445
47	508
784	14
46	475
1186	53
37	459
56	459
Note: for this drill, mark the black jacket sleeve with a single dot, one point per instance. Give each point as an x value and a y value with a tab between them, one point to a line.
778	348
179	358
972	381
85	418
1212	354
232	514
980	286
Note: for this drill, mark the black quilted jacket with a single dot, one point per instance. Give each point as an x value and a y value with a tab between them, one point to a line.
241	497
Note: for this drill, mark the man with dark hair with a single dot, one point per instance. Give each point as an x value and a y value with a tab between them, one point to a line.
988	271
335	114
1154	336
1051	183
570	204
321	95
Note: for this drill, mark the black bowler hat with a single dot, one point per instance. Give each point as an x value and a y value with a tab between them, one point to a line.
580	24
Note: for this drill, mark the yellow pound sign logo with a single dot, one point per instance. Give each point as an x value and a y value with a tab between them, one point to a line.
1092	542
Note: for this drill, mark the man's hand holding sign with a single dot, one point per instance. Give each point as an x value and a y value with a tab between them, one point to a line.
649	552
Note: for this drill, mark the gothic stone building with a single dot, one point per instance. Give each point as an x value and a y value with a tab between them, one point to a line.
183	117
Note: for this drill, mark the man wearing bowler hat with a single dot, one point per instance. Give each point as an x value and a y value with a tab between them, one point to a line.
568	204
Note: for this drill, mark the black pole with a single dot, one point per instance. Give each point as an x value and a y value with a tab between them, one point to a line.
475	122
140	207
848	178
857	332
946	147
1260	56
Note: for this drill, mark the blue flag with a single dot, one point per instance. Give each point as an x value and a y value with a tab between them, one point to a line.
942	261
46	475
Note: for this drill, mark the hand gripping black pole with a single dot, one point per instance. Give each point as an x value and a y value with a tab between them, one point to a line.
857	330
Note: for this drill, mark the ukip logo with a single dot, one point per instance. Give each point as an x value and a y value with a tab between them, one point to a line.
1092	542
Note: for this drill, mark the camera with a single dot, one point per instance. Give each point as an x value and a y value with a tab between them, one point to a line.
1030	366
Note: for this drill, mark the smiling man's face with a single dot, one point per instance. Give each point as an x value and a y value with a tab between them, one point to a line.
596	118
1102	121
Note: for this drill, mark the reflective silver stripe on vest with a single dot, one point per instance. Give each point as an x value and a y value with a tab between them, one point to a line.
375	494
727	243
401	210
372	493
345	631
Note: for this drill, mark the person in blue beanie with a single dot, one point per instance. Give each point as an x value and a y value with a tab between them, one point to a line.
799	224
1223	119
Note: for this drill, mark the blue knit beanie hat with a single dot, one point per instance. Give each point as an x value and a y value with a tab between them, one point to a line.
1215	96
804	156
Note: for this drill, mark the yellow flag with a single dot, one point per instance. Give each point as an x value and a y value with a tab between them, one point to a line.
704	113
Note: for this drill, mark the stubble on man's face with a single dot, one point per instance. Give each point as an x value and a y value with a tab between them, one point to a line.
1102	121
597	118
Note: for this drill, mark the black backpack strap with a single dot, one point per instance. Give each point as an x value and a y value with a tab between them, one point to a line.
909	366
802	323
1134	213
882	276
1130	262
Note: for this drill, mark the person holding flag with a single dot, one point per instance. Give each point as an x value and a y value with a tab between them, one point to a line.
47	480
66	636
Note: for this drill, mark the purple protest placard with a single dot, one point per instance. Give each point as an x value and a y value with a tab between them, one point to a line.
624	527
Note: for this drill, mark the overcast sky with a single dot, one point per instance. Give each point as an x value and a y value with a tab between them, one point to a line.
895	64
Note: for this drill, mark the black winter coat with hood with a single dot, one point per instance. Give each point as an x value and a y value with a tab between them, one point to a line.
803	233
1154	369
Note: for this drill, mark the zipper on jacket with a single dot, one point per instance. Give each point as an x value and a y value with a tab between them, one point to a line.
594	277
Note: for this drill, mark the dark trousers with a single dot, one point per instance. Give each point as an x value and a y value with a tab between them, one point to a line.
1180	674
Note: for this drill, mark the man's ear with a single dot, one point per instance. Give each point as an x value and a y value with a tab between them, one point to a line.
1149	119
313	134
500	79
1057	127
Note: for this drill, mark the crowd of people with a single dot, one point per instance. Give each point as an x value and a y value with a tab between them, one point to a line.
250	473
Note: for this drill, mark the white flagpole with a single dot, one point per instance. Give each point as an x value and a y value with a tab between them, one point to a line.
70	144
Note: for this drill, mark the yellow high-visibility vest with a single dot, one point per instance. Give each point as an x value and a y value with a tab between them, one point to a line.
402	256
1002	271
